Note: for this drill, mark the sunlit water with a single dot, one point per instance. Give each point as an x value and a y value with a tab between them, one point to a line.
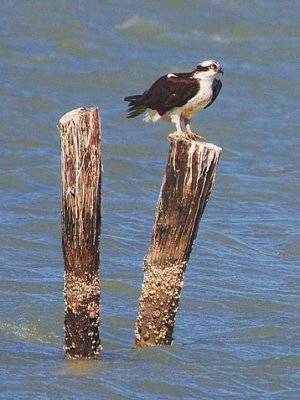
237	330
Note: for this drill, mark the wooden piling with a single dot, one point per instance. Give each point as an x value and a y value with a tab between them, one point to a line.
190	173
81	163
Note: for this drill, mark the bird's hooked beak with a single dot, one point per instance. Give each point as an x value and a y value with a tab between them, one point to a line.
221	71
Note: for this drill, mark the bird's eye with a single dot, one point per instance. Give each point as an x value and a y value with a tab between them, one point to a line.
212	66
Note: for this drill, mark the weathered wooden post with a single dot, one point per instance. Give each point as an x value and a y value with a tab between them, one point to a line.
190	173
81	162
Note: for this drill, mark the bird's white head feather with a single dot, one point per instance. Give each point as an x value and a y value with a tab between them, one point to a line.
208	69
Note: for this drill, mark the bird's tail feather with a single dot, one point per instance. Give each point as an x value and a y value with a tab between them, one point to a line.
135	106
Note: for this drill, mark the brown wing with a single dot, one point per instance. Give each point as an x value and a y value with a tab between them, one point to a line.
169	92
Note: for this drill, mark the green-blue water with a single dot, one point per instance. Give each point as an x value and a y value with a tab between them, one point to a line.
237	329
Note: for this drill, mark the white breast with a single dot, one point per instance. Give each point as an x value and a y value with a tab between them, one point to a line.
201	100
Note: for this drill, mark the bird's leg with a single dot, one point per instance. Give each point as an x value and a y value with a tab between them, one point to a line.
175	119
189	131
187	123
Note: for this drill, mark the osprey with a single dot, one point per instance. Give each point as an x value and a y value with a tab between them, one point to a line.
176	97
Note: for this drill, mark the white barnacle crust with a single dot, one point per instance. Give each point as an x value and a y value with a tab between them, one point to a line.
191	152
73	115
174	158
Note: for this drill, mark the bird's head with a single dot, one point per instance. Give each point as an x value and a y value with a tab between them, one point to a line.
208	69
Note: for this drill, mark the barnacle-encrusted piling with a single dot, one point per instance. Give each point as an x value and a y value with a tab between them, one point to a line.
81	163
190	173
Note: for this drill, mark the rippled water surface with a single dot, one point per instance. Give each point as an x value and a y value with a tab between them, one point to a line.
237	329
